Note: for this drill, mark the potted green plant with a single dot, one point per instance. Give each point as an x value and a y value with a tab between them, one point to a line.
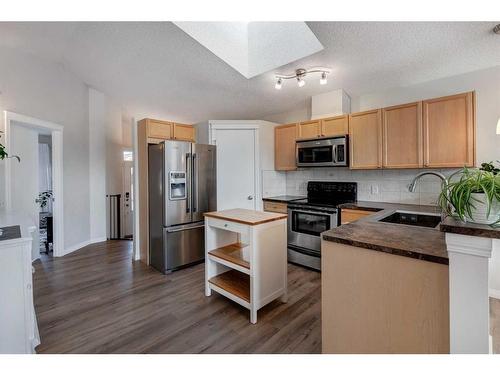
473	195
4	154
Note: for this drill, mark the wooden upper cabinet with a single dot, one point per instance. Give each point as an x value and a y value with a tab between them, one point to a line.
159	129
335	126
402	136
183	132
449	131
309	129
284	147
365	139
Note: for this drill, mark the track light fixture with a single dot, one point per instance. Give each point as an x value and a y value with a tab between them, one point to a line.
278	84
300	75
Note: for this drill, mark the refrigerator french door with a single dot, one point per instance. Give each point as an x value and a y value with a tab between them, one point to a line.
182	187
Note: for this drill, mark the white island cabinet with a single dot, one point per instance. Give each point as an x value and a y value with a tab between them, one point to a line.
18	326
246	257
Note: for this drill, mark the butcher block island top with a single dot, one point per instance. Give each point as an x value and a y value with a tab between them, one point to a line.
244	216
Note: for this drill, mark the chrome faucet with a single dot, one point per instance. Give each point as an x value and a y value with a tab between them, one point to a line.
413	184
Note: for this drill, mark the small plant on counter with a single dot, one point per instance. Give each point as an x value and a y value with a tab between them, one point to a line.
43	198
473	195
490	167
5	155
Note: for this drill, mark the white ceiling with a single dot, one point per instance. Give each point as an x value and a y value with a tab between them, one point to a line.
156	69
253	48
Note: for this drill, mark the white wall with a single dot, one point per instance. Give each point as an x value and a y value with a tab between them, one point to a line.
44	90
97	168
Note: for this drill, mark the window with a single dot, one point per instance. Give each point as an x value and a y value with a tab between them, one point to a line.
128	156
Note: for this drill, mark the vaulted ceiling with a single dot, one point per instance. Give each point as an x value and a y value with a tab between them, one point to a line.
156	69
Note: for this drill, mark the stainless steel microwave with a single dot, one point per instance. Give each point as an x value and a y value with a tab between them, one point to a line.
325	152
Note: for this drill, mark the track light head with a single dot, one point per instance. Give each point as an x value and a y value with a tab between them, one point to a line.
300	82
323	80
279	83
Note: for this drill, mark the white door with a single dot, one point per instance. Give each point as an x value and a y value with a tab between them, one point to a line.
24	177
128	194
236	185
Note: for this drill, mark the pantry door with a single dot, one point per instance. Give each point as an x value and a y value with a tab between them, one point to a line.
237	165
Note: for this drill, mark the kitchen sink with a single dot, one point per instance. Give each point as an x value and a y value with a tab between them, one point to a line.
427	220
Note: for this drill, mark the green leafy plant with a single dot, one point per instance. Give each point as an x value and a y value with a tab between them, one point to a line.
490	167
457	199
5	155
43	198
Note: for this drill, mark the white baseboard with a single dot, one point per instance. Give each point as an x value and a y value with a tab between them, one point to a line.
494	293
80	245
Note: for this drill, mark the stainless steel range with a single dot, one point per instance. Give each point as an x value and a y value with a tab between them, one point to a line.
308	218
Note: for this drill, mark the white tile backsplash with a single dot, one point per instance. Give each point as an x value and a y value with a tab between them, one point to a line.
388	185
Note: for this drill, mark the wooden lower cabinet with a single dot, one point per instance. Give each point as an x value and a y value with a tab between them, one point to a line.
365	140
378	303
348	215
284	147
402	136
449	131
278	207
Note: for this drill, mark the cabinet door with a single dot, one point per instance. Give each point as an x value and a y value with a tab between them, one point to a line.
184	132
402	136
335	126
449	131
365	140
309	129
160	129
284	147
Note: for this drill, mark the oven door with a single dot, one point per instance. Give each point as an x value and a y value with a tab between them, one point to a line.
305	227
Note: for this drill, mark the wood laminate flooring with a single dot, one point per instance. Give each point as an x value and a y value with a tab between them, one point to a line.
97	300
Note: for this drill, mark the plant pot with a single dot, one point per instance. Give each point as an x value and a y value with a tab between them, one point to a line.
479	213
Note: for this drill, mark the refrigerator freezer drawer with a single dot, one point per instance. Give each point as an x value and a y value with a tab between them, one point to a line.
184	245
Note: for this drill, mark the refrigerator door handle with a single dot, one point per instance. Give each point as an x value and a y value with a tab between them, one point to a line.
188	185
184	227
194	190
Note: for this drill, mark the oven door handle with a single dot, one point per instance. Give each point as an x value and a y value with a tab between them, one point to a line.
329	213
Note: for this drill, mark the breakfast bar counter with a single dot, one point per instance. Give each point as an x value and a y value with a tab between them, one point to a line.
385	284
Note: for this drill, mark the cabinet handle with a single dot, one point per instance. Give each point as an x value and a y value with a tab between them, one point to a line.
28	286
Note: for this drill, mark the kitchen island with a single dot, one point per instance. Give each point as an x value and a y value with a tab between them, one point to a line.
385	285
246	259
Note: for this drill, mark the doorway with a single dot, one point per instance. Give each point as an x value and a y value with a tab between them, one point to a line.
33	186
128	195
237	164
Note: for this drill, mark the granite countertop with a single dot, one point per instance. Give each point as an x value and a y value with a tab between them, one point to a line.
284	198
411	241
452	225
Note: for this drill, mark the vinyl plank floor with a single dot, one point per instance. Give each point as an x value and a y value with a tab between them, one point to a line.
97	300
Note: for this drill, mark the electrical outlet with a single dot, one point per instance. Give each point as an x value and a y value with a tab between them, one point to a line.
374	189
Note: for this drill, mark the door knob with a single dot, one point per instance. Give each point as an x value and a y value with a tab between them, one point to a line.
249	197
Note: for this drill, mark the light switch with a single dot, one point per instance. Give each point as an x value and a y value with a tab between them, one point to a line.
374	189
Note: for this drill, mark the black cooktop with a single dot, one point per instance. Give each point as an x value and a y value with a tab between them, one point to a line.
329	194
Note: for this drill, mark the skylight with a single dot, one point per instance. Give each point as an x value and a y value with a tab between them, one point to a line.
253	48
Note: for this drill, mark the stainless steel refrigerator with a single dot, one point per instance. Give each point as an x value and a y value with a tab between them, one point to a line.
182	186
